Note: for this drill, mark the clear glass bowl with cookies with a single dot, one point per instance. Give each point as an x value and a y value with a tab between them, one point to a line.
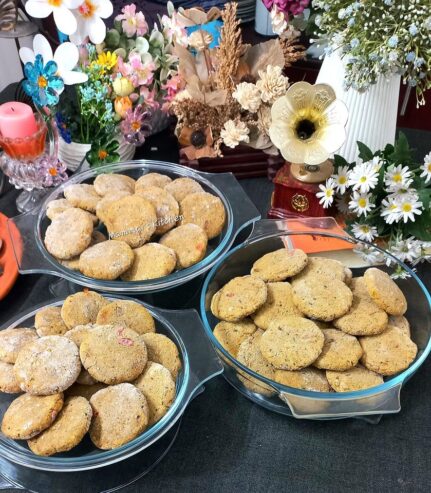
306	328
91	380
136	227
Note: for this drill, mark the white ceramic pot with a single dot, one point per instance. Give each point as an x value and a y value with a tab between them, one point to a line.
73	154
372	114
262	21
125	150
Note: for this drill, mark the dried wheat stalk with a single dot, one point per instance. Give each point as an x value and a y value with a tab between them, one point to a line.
230	48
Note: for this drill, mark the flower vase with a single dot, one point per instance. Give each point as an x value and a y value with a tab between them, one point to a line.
125	150
73	154
372	113
262	22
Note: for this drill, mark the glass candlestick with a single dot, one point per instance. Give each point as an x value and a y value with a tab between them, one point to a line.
31	165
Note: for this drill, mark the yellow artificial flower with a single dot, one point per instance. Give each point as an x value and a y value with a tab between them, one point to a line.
308	123
122	106
107	60
122	86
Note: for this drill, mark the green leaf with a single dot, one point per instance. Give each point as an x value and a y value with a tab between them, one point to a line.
424	197
421	228
402	153
365	152
339	161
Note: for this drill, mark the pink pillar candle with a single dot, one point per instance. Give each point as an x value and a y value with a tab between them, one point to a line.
17	120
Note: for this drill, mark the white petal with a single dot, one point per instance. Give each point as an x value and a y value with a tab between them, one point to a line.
333	137
72	4
42	47
65	20
71	78
337	112
27	55
80	34
66	56
38	9
104	8
96	30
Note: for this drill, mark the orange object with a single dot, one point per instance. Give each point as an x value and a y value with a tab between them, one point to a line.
7	257
26	148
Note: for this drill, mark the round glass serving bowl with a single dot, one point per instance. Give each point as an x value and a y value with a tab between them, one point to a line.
32	256
199	364
317	237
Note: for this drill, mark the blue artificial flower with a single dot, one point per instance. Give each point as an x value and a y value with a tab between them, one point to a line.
413	83
354	43
410	56
62	128
389	2
393	41
419	62
413	30
351	22
393	56
42	85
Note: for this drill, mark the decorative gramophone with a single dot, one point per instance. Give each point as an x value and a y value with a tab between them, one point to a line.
308	126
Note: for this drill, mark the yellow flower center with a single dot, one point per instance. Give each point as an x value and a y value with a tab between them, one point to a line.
363	179
87	9
397	178
108	60
342	180
42	82
307	123
329	193
365	229
429	167
136	126
362	203
52	171
407	207
55	3
102	154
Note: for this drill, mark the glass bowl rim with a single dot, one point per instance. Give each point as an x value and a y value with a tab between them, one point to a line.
105	457
166	282
334	396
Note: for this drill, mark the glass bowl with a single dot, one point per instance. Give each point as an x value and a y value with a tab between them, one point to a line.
32	256
199	364
316	237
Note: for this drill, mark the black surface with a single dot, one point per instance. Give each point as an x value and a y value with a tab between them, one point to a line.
226	443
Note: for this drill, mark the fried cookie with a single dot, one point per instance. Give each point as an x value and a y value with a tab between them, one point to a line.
48	322
181	187
205	210
8	382
12	340
357	378
106	260
189	242
384	292
152	180
231	334
82	308
239	298
164	351
128	313
279	265
305	379
167	208
107	200
340	351
323	267
151	261
83	196
106	183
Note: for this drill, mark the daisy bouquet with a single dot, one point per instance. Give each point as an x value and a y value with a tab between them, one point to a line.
380	37
227	88
385	198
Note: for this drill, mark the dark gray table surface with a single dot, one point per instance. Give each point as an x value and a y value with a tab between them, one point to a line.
227	443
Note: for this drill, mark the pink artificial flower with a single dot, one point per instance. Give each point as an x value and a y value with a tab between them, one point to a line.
136	125
132	22
294	7
172	86
173	31
149	97
140	74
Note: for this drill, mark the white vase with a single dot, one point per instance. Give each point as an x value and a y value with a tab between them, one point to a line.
125	150
73	154
262	21
372	114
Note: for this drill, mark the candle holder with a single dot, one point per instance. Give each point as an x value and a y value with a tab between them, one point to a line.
31	163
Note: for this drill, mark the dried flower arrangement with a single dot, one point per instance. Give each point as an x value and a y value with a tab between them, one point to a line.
228	87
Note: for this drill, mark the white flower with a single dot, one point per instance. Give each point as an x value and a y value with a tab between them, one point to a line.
326	195
426	168
234	132
407	250
200	40
89	17
390	210
360	203
66	57
272	83
342	203
341	178
370	254
363	177
397	177
364	231
278	20
248	96
377	163
61	10
409	206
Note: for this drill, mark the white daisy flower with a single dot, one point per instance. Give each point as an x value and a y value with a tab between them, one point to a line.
364	231
342	203
326	195
363	177
408	207
390	211
66	57
377	163
370	254
89	17
61	10
426	168
397	177
407	250
401	193
360	203
341	178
